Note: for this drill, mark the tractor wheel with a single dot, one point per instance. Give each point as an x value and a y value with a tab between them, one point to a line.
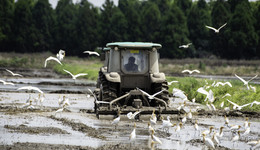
108	90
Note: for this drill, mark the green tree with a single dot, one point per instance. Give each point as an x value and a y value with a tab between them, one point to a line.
65	30
198	17
242	38
219	15
87	27
184	5
43	17
257	28
131	11
151	21
6	21
174	32
23	26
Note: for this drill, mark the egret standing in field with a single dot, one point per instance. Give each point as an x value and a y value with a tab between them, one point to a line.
133	134
208	141
116	120
216	30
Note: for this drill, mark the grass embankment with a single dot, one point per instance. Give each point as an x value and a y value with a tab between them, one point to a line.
211	66
239	93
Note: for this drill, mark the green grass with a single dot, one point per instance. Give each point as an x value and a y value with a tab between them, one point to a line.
90	67
239	93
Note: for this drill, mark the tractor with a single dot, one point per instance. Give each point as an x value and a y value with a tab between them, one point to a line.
129	78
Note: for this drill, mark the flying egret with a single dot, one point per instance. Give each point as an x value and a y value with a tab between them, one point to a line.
255	102
246	82
209	95
179	93
190	71
30	88
185	46
75	76
131	115
223	84
216	30
227	94
61	55
252	87
170	83
51	58
14	74
236	106
91	53
150	96
6	83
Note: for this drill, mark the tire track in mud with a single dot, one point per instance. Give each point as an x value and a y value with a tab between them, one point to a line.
77	126
35	130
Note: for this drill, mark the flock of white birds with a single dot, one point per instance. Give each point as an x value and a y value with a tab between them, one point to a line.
63	102
211	139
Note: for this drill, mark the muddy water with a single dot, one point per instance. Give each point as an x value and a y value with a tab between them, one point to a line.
73	128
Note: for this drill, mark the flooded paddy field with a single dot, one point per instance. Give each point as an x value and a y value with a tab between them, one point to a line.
78	128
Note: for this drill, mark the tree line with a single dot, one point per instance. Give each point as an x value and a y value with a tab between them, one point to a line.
34	26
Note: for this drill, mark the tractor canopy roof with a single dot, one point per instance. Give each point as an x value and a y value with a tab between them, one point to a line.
140	45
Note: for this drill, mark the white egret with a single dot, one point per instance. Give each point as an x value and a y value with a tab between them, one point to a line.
216	30
223	84
6	83
220	133
14	74
170	83
30	88
133	134
61	55
246	82
75	76
206	132
116	120
222	104
208	141
179	93
227	94
150	96
236	106
189	115
131	115
190	71
51	58
255	102
155	138
226	120
185	46
91	53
